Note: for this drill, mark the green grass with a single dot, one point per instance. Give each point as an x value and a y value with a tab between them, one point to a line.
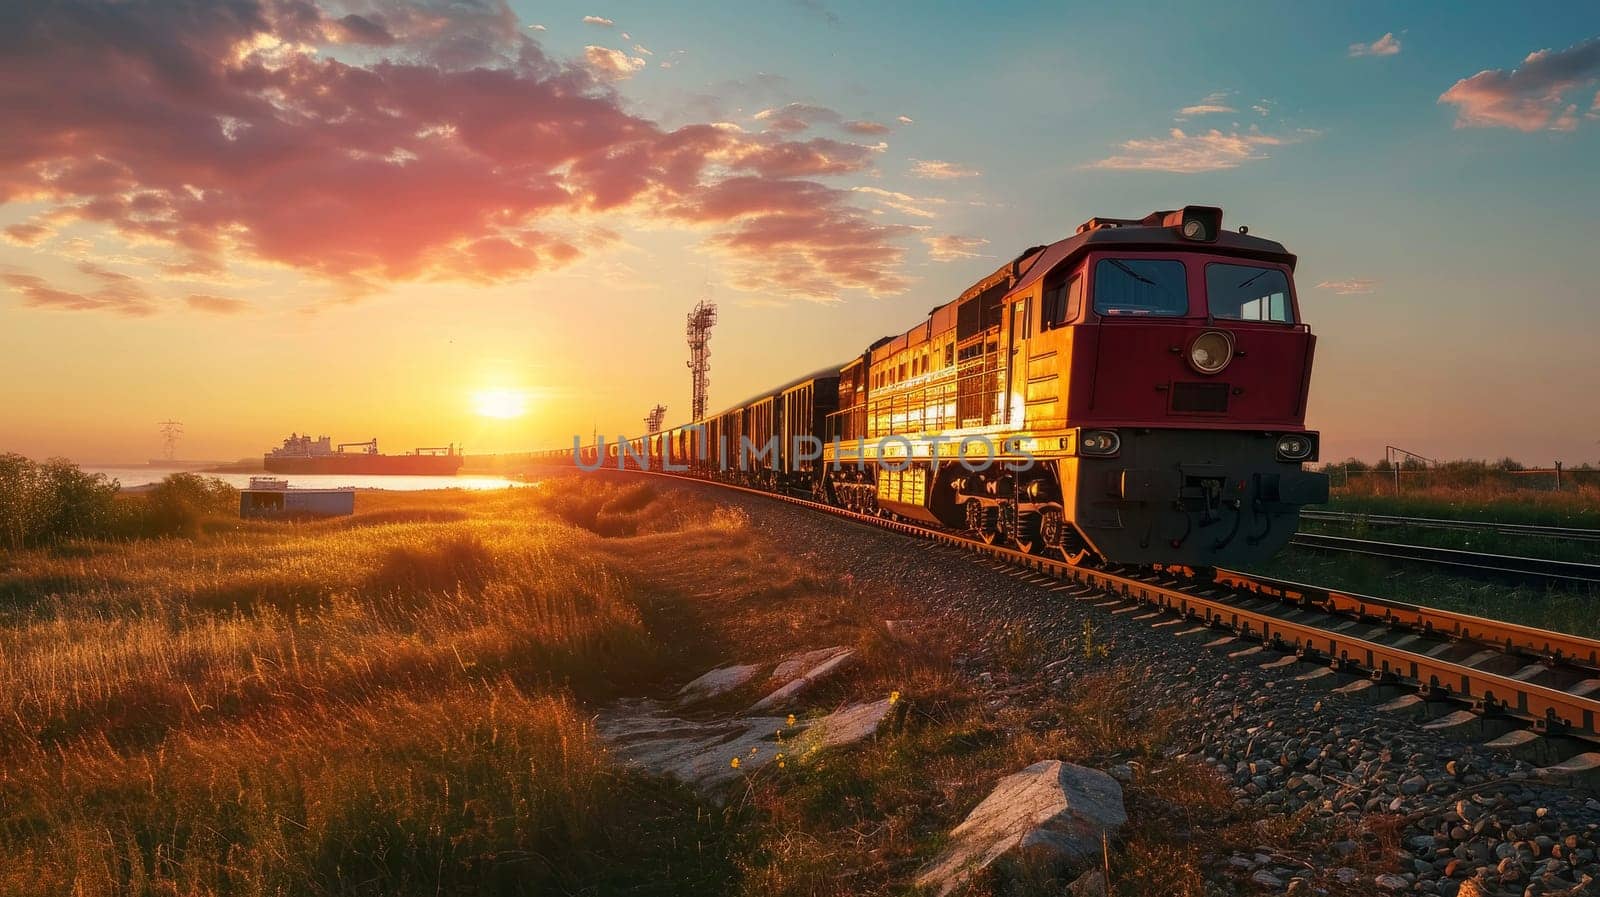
1564	610
1576	507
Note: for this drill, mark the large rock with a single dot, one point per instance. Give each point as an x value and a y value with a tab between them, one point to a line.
796	664
701	753
717	682
800	672
1052	811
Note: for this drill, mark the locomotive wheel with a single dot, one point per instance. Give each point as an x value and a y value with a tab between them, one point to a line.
974	516
1029	535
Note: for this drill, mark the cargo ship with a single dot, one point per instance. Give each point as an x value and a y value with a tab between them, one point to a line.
302	454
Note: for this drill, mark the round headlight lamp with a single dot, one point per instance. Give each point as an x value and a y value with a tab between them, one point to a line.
1294	447
1211	351
1099	442
1194	229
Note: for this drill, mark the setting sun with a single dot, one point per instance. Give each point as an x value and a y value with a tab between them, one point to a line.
500	403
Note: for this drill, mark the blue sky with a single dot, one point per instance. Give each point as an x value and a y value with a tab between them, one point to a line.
1445	246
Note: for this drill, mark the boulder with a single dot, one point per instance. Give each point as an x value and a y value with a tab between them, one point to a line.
1053	811
717	682
702	753
796	665
813	667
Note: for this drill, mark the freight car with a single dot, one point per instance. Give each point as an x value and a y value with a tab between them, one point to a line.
1133	394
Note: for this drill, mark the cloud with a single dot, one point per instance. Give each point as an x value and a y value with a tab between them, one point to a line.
1213	104
865	127
902	202
613	65
795	117
640	48
949	247
817	7
903	119
940	171
216	305
28	233
1532	97
1349	287
116	292
1184	153
598	20
1388	45
538	28
243	133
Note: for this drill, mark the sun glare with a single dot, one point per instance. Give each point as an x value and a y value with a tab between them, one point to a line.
501	403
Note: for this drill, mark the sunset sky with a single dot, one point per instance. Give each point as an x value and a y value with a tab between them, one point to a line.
400	218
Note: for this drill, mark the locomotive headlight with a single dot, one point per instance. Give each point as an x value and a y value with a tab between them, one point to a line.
1211	351
1194	229
1294	447
1099	442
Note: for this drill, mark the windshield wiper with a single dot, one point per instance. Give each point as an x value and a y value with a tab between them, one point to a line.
1264	273
1132	273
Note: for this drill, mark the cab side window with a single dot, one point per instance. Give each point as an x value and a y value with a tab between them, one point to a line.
1062	302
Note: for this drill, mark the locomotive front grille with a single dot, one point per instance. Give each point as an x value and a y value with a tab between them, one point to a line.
1200	398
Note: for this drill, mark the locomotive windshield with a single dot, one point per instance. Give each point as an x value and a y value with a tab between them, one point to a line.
1140	287
1248	293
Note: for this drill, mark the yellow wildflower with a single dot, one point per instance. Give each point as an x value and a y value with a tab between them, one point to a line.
894	696
734	763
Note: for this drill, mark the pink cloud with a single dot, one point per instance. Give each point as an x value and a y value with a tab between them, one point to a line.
613	65
1184	153
216	305
1388	45
941	171
1352	287
1531	97
451	146
115	292
950	247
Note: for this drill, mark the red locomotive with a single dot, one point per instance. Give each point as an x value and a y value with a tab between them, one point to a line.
1135	393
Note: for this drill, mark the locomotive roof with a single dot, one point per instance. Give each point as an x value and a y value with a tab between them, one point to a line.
1137	236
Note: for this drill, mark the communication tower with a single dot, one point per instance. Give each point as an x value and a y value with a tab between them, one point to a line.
701	320
170	431
652	421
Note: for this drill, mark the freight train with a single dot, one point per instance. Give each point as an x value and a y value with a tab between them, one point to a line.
1132	394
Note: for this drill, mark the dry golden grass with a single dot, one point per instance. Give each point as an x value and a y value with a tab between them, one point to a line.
396	703
378	704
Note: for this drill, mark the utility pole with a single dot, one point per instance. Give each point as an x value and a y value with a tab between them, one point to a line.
170	431
701	320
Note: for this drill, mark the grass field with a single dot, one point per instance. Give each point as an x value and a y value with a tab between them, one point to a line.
399	703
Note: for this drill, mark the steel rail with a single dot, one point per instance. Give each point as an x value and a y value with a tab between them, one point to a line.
1479	563
1378	650
1571	533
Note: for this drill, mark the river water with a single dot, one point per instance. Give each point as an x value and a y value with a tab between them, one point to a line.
132	477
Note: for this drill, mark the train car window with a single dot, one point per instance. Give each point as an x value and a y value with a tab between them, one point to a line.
1248	293
1140	287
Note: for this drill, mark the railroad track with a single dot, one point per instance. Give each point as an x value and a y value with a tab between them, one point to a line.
1473	563
1568	533
1525	690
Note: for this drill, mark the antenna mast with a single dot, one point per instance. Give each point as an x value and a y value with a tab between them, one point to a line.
701	320
652	421
170	431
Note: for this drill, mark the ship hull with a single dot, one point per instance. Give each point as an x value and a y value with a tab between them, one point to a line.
368	465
